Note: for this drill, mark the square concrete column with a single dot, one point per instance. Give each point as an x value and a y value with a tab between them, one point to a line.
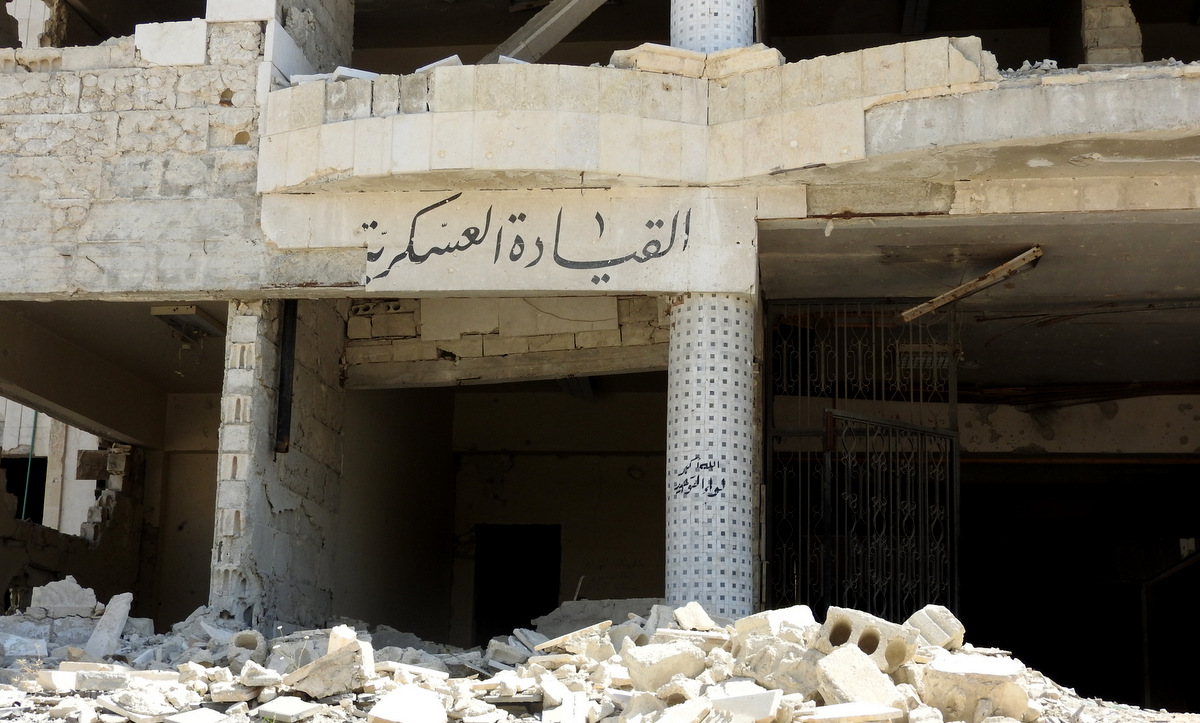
273	552
711	454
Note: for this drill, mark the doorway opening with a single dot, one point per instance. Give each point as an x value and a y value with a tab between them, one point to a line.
517	576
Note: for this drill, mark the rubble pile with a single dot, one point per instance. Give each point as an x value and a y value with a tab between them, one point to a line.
72	659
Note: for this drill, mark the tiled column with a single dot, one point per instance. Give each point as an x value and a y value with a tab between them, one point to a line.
710	25
711	454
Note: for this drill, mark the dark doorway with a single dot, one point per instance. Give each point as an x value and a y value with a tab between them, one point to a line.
26	480
1054	553
517	576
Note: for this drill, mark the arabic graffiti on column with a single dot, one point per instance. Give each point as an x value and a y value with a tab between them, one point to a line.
700	477
431	234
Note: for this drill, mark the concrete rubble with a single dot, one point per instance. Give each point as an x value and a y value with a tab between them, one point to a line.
656	664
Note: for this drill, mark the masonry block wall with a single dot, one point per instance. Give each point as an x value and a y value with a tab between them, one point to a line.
273	545
1111	33
437	341
120	175
323	29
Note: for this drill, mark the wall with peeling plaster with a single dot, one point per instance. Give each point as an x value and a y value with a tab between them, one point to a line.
1140	426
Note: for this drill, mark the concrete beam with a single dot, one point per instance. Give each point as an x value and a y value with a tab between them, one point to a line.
73	385
544	30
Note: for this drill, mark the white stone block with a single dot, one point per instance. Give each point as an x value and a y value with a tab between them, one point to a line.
179	43
447	319
652	666
847	675
197	715
851	713
63	598
778	664
744	698
927	64
692	711
963	686
937	626
230	11
411	138
372	147
451	138
889	645
283	53
883	70
106	638
347	669
408	704
693	617
288	709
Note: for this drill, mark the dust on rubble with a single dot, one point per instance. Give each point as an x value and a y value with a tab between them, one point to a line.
70	658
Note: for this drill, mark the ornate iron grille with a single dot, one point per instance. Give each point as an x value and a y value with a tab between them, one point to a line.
863	461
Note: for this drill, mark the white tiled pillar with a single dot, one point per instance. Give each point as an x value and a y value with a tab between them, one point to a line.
710	25
711	454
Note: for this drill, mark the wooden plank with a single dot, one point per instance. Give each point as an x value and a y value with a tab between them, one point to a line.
995	276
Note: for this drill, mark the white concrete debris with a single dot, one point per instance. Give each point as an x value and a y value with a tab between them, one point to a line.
649	664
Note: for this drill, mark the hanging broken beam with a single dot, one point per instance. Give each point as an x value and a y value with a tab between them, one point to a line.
995	276
544	30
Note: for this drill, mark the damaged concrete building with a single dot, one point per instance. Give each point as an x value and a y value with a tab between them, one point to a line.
870	313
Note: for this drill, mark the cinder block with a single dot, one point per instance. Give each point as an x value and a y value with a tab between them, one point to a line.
393	325
368	352
179	43
593	339
889	645
414	93
556	315
308	105
348	99
504	345
385	96
452	88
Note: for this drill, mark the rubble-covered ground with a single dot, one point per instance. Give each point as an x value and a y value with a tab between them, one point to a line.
69	658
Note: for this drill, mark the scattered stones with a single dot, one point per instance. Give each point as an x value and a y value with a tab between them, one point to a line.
674	665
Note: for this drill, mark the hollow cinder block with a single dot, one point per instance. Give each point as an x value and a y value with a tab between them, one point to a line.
887	644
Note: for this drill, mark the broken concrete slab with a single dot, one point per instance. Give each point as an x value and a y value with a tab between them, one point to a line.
937	626
575	614
345	670
652	666
62	598
106	638
197	715
848	675
693	617
964	685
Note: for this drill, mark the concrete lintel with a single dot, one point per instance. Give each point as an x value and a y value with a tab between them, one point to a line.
514	367
544	30
44	371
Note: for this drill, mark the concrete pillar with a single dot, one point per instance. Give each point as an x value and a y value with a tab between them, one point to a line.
707	26
711	454
273	548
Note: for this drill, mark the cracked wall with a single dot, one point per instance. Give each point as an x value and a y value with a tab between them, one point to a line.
274	545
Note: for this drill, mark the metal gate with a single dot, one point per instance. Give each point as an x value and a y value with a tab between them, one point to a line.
862	459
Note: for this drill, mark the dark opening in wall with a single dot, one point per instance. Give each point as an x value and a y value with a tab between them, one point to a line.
26	480
1057	560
